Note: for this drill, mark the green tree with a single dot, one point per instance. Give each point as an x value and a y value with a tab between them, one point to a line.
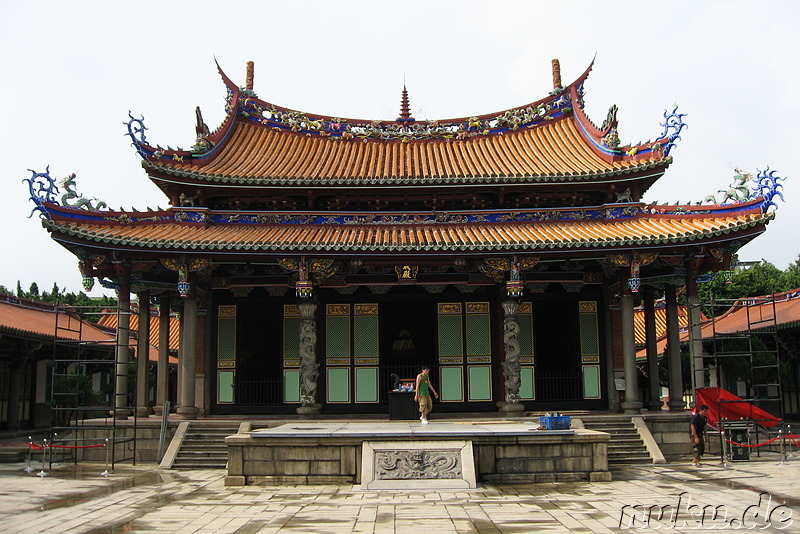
791	276
20	292
33	292
760	279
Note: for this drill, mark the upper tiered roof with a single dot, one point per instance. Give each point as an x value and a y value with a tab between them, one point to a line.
538	151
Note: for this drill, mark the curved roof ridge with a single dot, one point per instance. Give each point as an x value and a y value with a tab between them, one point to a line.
457	120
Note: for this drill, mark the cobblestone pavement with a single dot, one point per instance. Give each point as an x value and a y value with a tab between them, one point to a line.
763	493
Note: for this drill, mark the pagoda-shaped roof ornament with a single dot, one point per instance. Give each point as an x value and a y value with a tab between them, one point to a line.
405	111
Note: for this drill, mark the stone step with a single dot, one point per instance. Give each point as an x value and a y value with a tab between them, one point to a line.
13	455
204	447
626	446
643	460
623	452
202	454
610	429
203	465
205	437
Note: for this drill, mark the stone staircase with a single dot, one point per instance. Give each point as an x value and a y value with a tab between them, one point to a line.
625	446
203	446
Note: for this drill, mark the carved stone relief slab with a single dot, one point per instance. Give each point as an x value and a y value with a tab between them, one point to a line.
417	465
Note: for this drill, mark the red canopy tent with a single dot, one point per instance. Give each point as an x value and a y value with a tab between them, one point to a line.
722	403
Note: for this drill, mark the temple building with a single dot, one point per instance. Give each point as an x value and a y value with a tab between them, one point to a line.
316	261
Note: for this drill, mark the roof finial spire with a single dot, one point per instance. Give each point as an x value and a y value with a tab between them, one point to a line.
405	110
250	72
556	74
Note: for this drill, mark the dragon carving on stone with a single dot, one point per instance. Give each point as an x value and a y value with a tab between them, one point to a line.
309	368
511	365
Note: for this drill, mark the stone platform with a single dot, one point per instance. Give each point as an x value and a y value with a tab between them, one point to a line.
331	452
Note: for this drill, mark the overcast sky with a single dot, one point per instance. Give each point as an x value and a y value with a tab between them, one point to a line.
72	70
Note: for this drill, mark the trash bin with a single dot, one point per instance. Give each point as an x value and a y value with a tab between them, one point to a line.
738	452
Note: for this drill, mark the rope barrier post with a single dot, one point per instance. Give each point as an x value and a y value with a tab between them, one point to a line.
722	443
43	473
106	472
30	455
789	454
55	438
782	437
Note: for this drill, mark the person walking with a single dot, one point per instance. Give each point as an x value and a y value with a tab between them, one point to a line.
422	394
697	427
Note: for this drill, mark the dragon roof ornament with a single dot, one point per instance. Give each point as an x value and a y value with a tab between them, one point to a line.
746	188
673	124
43	190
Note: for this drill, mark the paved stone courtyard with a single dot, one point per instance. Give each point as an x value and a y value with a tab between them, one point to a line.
675	497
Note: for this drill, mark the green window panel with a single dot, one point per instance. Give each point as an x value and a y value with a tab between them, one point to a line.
338	384
337	336
590	345
525	336
291	337
527	383
479	339
591	381
226	342
452	384
365	335
450	336
480	382
366	384
291	385
225	387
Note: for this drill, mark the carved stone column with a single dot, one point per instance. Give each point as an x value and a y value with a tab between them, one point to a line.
123	346
143	408
309	368
162	373
511	367
188	363
676	402
632	403
652	350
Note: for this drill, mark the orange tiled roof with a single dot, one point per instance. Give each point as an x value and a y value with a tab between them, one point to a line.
109	320
661	322
38	321
162	233
555	151
549	140
754	313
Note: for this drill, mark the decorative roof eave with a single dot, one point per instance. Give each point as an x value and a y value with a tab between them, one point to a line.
206	145
462	238
372	181
51	210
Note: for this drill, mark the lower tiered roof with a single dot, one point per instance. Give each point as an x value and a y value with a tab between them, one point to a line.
543	231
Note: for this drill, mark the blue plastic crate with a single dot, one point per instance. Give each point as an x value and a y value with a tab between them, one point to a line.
555	422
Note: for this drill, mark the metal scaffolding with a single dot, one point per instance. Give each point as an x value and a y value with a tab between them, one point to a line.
752	349
83	388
